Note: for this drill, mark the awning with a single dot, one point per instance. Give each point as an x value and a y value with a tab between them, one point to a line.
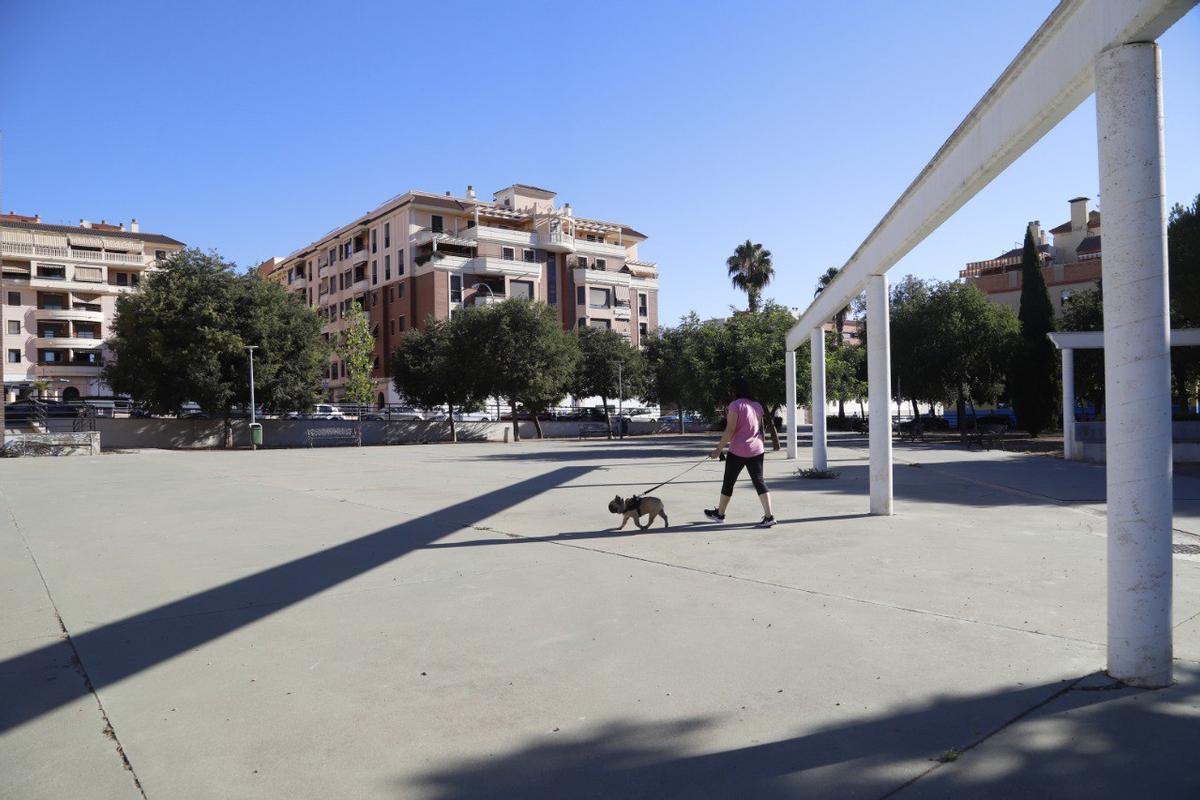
621	292
49	239
15	236
86	240
127	245
640	271
16	267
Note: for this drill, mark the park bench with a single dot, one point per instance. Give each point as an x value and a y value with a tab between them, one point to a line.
913	431
593	429
334	435
987	436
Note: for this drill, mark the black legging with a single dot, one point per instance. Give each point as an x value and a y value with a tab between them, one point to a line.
733	468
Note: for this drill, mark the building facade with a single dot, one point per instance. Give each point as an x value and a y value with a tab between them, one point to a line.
422	256
59	286
1070	261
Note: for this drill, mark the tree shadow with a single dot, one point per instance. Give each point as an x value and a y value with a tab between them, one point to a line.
120	652
1084	738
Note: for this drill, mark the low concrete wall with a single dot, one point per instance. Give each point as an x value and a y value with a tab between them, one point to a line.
202	434
1185	442
570	430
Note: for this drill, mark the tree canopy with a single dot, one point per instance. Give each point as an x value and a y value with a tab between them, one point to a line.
750	270
607	362
1033	376
182	338
441	366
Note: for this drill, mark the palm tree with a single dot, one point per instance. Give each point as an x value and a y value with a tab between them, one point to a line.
750	270
839	319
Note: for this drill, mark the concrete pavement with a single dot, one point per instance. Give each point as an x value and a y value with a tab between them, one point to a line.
456	621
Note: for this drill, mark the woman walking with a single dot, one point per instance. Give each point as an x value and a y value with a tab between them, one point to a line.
744	435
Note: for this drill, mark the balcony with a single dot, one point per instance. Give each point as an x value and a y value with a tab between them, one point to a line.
602	249
67	369
556	242
76	314
486	233
490	265
621	311
360	257
600	277
67	341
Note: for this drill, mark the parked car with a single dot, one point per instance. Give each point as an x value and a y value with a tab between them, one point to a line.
324	411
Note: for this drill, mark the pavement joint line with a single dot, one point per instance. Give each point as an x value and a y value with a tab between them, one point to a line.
1003	726
76	659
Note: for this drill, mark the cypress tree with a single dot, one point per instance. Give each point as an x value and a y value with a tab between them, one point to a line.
1033	377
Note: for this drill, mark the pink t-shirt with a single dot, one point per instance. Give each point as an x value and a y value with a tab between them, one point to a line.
747	440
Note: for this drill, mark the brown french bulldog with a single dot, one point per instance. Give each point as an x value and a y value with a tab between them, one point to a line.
634	507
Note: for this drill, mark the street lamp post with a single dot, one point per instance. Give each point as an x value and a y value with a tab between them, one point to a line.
252	348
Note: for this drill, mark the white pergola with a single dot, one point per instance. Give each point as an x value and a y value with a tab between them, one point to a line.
1084	46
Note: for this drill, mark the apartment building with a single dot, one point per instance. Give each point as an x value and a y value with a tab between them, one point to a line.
58	289
1070	260
422	255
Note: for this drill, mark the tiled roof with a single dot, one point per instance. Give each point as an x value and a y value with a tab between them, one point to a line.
156	238
1089	245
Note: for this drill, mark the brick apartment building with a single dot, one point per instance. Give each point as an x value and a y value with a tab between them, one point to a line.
1070	260
422	255
59	286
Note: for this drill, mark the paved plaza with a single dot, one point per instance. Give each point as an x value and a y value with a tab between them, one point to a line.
460	621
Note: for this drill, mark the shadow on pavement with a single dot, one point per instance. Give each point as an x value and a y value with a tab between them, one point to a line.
1085	738
118	650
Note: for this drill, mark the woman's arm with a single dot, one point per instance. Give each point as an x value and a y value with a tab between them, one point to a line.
730	427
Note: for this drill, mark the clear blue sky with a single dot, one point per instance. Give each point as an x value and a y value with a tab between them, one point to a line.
253	127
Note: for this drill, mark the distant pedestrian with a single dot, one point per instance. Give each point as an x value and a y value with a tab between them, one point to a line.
744	436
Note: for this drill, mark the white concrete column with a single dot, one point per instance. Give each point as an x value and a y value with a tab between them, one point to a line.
1137	379
879	394
1068	403
790	377
817	345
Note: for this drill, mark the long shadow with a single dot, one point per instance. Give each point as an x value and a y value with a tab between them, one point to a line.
612	533
1099	748
119	652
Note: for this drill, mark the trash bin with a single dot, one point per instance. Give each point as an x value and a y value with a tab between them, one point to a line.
256	433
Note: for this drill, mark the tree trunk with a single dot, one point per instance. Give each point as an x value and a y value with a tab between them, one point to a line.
512	403
537	426
842	412
960	406
228	429
450	416
771	428
916	411
607	417
682	426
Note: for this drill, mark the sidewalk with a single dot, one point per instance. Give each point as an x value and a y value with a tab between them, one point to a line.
459	622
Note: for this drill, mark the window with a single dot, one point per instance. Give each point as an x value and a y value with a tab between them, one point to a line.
601	263
581	261
159	255
14	356
14	326
374	239
374	271
387	235
53	272
310	270
523	289
343	367
598	298
49	356
643	331
89	274
122	279
392	327
400	324
600	323
456	288
332	254
400	263
528	256
346	279
583	322
580	295
387	267
508	254
435	223
389	294
400	291
14	298
641	304
551	279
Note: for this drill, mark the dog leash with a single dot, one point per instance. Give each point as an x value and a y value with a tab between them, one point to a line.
668	480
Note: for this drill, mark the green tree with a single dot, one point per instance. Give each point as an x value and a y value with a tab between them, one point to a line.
1084	311
1183	247
606	357
182	338
669	372
750	270
916	374
529	359
1033	376
357	349
844	366
839	319
440	365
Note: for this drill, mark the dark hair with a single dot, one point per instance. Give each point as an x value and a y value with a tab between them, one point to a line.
739	387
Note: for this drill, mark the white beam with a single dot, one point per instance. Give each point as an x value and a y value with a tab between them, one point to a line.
790	375
1094	340
1051	75
879	394
1137	364
817	346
